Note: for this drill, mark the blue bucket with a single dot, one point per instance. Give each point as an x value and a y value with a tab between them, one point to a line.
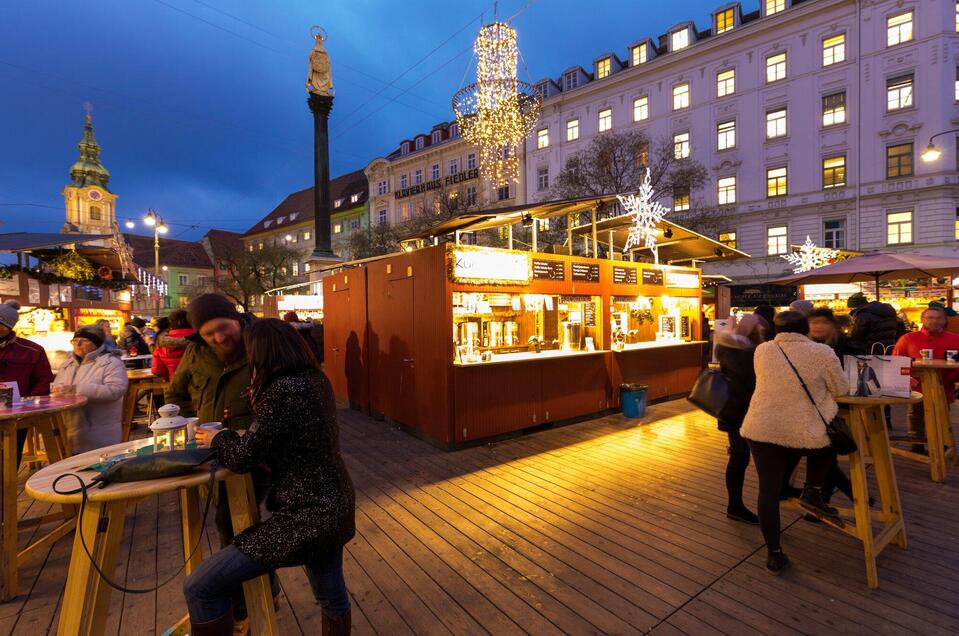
632	399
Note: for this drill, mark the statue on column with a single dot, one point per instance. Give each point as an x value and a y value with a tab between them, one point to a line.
319	80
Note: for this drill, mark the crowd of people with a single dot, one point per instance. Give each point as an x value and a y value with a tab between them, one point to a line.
784	371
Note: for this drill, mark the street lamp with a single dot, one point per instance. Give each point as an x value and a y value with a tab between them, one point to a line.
932	153
154	220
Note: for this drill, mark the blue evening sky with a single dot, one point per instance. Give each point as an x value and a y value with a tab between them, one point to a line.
200	106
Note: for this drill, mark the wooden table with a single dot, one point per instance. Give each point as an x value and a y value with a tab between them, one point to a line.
86	599
940	440
139	380
44	414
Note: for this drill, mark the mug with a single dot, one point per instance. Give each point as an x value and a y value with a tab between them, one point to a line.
926	354
212	426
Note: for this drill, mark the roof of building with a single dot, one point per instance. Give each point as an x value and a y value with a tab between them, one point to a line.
223	242
298	206
26	241
173	253
88	171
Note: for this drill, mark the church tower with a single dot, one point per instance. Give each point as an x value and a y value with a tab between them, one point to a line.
91	207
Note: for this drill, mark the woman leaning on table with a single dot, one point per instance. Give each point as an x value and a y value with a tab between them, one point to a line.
294	432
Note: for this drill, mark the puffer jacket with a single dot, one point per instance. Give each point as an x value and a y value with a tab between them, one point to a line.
780	411
171	345
102	378
876	323
129	338
735	355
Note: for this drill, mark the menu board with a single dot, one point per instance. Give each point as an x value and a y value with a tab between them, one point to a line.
586	272
549	270
624	275
589	314
652	277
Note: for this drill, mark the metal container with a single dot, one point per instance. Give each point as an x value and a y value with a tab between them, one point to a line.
572	335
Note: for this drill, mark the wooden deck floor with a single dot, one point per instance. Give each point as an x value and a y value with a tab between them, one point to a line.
599	527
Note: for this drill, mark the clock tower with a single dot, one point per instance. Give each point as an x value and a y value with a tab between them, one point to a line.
91	207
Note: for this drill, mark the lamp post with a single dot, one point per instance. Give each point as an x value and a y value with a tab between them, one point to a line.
154	220
932	153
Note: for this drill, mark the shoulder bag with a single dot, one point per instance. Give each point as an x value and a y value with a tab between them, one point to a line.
710	393
840	437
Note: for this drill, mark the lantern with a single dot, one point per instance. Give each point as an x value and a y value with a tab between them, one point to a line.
169	430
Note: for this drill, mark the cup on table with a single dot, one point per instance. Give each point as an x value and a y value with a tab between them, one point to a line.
209	429
62	389
6	396
952	355
926	354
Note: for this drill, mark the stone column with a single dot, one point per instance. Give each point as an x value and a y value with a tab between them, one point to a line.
320	106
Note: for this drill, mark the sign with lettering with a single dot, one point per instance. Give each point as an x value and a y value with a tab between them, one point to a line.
682	280
754	295
586	272
436	184
589	314
549	270
624	275
652	277
489	266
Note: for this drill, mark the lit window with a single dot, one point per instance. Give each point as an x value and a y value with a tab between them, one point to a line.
726	83
727	190
776	123
640	53
570	81
605	119
724	21
338	203
834	172
354	198
417	177
572	130
419	143
726	135
453	167
542	225
956	97
404	181
899	93
296	268
306	236
404	211
957	209
642	155
542	178
542	138
957	17
775	6
641	108
680	96
603	68
777	240
95	214
899	161
437	136
834	234
776	67
471	161
899	227
834	49
259	246
776	182
680	199
681	145
728	239
680	39
899	28
834	109
250	246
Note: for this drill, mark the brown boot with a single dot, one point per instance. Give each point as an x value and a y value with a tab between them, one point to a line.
337	625
222	626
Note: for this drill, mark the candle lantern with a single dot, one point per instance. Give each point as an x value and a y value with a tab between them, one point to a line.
169	430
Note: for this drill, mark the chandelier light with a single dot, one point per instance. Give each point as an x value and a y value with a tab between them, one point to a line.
498	111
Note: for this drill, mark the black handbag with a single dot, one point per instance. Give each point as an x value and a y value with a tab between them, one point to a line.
710	393
840	437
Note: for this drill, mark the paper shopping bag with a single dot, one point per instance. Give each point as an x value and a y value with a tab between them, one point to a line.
872	376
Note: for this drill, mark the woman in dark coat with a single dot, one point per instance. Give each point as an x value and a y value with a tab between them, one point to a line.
735	350
294	432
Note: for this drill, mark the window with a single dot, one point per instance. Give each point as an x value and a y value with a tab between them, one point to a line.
640	53
681	145
776	123
642	156
454	131
570	81
542	138
834	109
775	6
726	82
680	96
603	68
726	135
899	28
471	195
338	203
404	181
382	218
259	246
899	161
899	227
956	96
250	246
605	119
899	92
418	177
833	172
404	211
405	148
183	279
542	178
680	199
776	182
542	225
641	107
296	268
419	143
434	172
680	39
776	67
502	193
776	240
728	238
95	214
834	50
306	236
453	167
727	190
834	234
337	228
354	198
437	136
355	223
957	209
382	187
724	21
471	161
957	17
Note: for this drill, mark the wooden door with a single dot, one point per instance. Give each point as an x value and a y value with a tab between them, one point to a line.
345	338
399	369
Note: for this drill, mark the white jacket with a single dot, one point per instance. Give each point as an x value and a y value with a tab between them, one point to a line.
102	378
780	412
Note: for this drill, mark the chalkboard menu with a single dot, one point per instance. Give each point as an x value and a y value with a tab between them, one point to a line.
652	277
624	275
586	272
589	314
548	270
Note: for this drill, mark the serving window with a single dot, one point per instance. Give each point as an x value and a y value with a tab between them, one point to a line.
635	320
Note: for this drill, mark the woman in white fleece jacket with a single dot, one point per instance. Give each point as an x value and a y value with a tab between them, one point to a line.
783	422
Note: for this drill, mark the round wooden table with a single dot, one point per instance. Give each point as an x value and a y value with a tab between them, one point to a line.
45	415
940	439
86	598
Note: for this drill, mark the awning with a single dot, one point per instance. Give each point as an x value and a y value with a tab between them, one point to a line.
28	241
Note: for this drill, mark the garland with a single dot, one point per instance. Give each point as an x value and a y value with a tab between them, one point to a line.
72	266
6	273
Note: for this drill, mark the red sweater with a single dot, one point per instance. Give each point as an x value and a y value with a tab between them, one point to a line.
25	363
166	357
911	343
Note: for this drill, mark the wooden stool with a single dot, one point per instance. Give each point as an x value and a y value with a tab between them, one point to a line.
940	439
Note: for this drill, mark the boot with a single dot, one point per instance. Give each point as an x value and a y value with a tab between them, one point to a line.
222	626
776	561
811	500
337	625
743	514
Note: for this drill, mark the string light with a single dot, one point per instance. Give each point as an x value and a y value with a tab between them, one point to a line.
810	257
647	214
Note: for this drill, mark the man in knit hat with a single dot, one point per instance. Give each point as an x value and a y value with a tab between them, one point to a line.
21	361
874	323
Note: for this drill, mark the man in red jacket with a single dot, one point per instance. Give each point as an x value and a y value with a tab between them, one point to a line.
21	361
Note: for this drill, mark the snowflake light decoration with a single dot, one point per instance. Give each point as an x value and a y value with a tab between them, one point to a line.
647	214
810	257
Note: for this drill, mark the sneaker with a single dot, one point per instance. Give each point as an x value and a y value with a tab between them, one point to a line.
790	492
811	518
811	500
742	514
776	561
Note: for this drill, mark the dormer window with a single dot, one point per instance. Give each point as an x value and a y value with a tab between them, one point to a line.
437	136
267	224
354	198
570	81
639	54
541	90
338	203
293	216
454	131
679	39
405	148
604	68
725	20
280	219
775	6
419	143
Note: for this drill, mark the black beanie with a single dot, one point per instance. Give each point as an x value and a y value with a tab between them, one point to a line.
204	308
93	333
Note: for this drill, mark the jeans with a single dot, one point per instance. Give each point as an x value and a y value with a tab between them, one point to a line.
736	470
21	440
210	589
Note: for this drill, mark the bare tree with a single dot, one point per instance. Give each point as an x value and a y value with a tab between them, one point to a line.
255	272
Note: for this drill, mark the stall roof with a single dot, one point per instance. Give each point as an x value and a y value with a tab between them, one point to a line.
28	241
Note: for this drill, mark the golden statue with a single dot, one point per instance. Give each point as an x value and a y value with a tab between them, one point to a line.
319	80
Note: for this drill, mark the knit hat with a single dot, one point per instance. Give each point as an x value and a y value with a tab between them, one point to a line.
8	313
936	304
206	307
857	300
139	323
802	306
93	333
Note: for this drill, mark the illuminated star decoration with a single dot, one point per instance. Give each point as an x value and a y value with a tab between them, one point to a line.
810	257
647	214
